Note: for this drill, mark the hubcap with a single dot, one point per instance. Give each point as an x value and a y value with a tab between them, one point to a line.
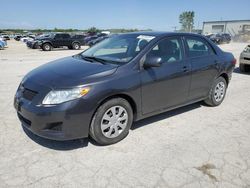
114	121
76	46
47	47
219	91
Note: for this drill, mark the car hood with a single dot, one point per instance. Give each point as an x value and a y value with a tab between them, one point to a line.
69	72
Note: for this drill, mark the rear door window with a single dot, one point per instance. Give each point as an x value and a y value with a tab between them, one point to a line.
198	47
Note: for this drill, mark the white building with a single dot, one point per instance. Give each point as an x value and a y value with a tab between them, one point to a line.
233	27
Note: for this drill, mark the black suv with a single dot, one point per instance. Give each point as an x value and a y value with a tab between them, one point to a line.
58	40
220	38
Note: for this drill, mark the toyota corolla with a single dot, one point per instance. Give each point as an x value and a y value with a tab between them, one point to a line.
104	89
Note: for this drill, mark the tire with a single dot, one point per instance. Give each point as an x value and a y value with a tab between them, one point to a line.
242	67
46	47
35	46
103	128
216	93
76	46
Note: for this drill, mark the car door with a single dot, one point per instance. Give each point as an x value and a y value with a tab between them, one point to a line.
204	63
66	40
57	40
168	85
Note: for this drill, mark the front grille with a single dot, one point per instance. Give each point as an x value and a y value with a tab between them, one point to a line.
29	94
247	58
24	120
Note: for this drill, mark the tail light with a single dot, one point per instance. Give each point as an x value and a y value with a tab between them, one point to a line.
234	61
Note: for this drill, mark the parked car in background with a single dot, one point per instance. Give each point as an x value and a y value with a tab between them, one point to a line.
18	37
34	43
57	40
221	38
6	37
88	39
97	40
28	38
103	90
245	59
3	44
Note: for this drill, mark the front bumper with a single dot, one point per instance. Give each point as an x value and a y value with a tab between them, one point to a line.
66	121
245	61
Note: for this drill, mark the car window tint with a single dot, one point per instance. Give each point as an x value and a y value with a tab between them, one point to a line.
168	50
58	36
197	47
66	36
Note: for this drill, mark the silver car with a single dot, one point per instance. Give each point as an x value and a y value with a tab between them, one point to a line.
245	59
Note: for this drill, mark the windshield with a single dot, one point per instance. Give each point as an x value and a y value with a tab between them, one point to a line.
119	49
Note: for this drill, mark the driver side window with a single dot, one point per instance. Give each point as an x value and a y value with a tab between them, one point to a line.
169	50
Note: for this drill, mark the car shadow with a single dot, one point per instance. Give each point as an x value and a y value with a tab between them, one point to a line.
237	70
166	115
57	145
81	143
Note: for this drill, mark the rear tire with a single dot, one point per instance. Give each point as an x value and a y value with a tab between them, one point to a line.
242	67
217	92
46	47
76	46
111	122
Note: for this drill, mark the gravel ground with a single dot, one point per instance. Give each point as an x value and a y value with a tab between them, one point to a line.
194	146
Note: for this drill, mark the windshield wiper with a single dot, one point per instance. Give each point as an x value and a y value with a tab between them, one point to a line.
101	60
91	58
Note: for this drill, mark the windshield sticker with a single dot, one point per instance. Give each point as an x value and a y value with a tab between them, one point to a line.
146	37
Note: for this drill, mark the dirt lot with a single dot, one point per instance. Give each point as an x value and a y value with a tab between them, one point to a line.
194	146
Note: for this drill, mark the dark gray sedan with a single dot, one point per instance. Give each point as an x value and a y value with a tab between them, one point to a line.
103	90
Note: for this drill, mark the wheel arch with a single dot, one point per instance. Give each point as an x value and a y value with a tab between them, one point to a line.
47	42
225	76
75	41
127	97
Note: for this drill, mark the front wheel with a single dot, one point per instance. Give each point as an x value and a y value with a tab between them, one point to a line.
111	122
46	47
217	92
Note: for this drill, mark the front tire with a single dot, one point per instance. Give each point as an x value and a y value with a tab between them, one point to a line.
217	92
111	122
46	47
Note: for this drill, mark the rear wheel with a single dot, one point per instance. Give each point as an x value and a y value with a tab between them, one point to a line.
46	47
217	92
111	122
76	46
242	67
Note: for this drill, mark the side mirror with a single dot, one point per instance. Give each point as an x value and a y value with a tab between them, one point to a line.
152	62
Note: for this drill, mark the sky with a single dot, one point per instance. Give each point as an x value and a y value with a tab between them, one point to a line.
142	14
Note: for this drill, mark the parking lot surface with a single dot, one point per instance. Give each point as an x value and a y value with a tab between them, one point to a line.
193	146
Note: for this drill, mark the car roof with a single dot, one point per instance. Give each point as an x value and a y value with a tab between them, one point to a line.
161	33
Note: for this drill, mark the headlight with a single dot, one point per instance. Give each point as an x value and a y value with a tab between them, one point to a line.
60	96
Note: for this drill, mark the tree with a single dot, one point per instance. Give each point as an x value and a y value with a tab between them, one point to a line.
93	30
186	20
